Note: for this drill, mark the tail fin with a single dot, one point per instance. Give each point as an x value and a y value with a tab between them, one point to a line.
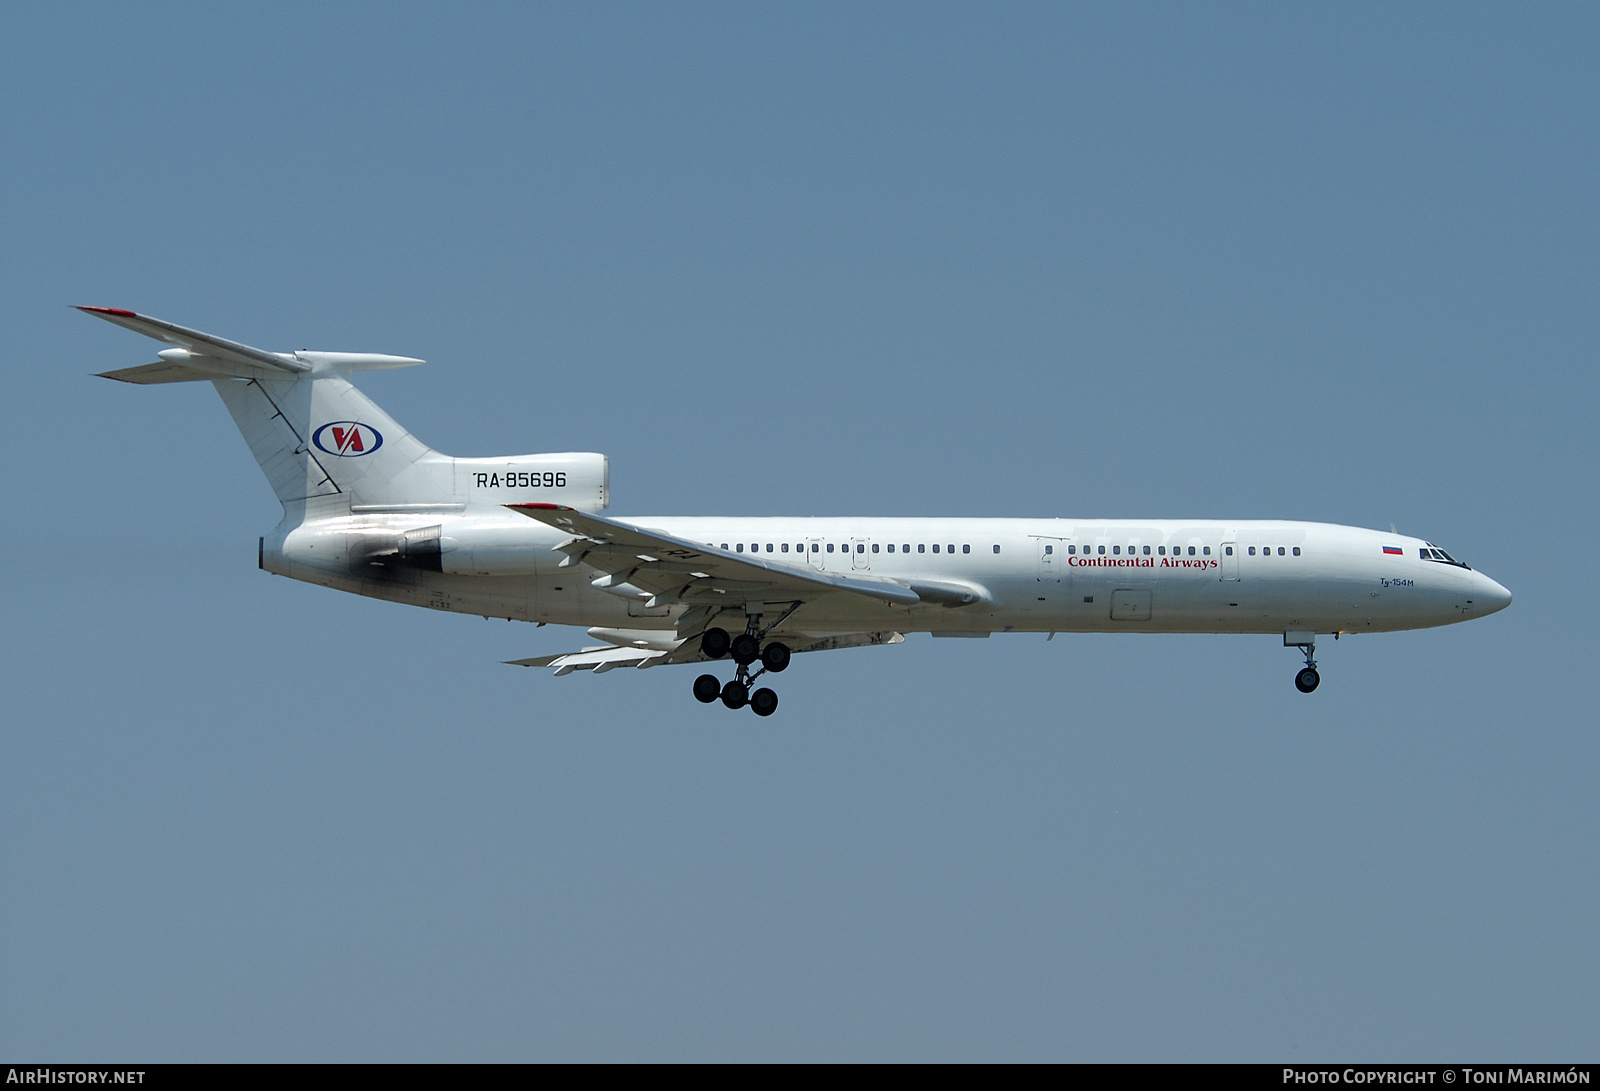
319	436
313	434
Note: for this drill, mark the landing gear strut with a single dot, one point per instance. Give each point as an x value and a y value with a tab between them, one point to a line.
744	649
1307	679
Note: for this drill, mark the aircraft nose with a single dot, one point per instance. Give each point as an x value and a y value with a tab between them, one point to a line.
1491	596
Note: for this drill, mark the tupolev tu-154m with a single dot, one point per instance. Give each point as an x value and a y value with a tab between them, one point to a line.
368	508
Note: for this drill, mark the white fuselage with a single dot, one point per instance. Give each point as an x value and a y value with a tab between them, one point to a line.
1028	575
370	508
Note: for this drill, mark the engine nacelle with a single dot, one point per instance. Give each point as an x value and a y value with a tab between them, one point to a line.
470	548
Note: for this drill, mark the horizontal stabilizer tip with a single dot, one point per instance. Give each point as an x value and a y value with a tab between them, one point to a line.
159	372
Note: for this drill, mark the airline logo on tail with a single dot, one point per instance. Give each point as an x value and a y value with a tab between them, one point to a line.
347	439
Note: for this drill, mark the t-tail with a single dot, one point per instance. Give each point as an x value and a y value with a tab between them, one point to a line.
328	451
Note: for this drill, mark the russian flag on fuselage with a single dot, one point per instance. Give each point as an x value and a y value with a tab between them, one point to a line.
1395	550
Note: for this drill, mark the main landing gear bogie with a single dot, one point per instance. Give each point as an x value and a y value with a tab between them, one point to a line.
744	649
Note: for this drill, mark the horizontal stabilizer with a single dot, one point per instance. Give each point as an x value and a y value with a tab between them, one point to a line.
200	344
199	355
161	372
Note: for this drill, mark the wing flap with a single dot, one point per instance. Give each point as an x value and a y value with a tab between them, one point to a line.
598	660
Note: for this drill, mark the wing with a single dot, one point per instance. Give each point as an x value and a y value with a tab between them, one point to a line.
663	569
600	660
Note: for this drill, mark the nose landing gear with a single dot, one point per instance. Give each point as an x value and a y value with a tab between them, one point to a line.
1307	679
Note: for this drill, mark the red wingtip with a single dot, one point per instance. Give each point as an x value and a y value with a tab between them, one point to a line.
540	507
118	311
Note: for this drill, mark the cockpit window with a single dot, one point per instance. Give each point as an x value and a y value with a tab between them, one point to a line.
1433	553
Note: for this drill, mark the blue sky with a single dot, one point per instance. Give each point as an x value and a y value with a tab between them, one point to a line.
1243	261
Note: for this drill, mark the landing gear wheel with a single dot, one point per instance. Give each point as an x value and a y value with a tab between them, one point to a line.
714	643
707	688
775	657
763	702
744	648
736	695
1307	679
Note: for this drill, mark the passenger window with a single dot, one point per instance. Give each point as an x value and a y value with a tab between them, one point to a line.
1252	551
891	547
785	547
997	548
1070	549
936	547
921	548
860	548
1102	550
769	547
1207	550
1049	550
830	547
741	547
905	547
966	549
724	545
1191	551
874	547
814	547
1147	551
1116	549
949	549
1297	551
1280	551
1161	550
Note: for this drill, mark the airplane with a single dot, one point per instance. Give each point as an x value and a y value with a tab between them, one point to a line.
369	509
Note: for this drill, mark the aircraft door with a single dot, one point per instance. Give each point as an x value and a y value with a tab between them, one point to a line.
1052	559
814	547
1230	560
861	554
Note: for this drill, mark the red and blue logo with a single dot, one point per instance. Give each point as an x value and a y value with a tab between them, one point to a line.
347	439
1395	551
